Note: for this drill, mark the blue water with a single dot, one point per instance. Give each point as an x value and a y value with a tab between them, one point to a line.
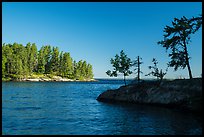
58	108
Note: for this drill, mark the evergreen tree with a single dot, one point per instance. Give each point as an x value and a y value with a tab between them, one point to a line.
7	53
4	62
47	54
155	72
79	70
67	66
89	71
19	67
121	64
24	60
33	58
61	63
28	49
18	62
75	70
137	64
41	61
83	69
54	61
177	38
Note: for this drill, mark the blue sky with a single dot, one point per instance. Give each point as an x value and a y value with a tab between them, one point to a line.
95	32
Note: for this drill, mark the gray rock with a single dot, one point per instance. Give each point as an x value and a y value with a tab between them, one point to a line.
185	94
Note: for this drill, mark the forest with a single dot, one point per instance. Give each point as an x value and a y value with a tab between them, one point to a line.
20	61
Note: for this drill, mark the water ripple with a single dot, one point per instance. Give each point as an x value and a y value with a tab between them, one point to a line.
65	108
27	108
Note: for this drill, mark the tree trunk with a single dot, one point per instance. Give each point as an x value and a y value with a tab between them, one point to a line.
161	78
187	61
189	70
124	80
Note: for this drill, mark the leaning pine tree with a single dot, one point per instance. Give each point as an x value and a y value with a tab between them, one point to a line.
177	38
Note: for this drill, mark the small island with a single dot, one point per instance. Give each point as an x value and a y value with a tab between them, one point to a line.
177	93
185	94
26	63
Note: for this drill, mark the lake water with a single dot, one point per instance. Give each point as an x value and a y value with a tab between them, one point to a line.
71	108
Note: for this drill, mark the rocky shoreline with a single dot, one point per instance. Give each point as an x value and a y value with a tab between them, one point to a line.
182	93
54	78
60	79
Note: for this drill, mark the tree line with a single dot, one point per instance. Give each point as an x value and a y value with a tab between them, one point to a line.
176	39
20	61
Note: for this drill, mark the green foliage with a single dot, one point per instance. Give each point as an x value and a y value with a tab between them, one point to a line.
7	55
54	60
31	57
82	70
66	65
4	62
89	71
121	64
155	71
60	62
47	54
79	70
20	62
177	38
41	61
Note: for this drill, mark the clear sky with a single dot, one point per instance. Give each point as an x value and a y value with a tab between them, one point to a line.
95	32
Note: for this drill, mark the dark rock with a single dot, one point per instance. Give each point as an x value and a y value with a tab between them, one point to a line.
185	94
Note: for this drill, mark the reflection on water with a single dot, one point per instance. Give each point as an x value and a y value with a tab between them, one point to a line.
72	108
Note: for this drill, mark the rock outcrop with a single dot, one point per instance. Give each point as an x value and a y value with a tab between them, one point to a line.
54	78
185	94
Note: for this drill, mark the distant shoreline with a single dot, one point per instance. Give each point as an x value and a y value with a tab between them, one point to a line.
50	80
40	80
46	78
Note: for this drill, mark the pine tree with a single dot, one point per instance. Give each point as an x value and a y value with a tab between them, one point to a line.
47	54
79	75
18	62
54	61
41	61
74	70
89	71
121	64
19	68
28	49
4	62
67	66
61	63
155	72
24	59
33	58
83	69
7	52
177	38
137	64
